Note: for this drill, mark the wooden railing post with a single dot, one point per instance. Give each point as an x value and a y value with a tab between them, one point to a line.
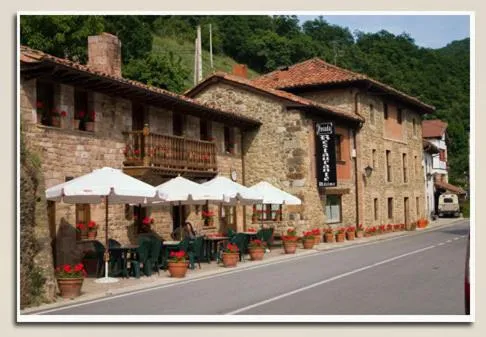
146	146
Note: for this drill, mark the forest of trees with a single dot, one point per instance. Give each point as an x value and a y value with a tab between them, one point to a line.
439	77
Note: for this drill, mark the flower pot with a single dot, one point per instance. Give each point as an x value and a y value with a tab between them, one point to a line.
56	121
340	237
308	243
89	126
359	234
290	247
70	287
177	269
256	254
230	259
317	239
92	235
76	124
329	237
350	236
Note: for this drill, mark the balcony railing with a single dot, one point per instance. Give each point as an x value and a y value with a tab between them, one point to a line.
147	149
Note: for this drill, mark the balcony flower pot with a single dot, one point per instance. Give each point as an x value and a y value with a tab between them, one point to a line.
308	243
92	230
70	279
329	237
256	249
290	246
340	237
177	269
230	259
81	232
316	232
92	235
350	236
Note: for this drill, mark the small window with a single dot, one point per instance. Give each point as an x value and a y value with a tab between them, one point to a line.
229	215
372	114
373	157
375	208
205	130
269	212
417	204
385	110
337	144
229	140
333	208
390	208
404	164
177	124
83	109
388	166
45	104
399	115
415	166
448	200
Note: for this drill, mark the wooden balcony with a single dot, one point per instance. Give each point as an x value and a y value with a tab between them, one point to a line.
151	153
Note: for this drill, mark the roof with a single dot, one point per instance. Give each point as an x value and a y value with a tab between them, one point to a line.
299	102
429	147
316	72
36	63
433	128
449	187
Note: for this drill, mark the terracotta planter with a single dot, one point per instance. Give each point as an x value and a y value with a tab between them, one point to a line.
329	237
256	254
56	121
70	287
359	234
89	126
340	237
92	235
290	247
177	269
308	243
76	124
317	239
350	236
230	259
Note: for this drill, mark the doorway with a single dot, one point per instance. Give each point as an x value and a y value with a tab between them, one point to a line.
178	215
406	211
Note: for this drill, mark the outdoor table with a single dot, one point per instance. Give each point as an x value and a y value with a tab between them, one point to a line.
211	246
123	254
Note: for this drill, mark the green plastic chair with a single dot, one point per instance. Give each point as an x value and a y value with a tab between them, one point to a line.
153	256
142	254
265	235
241	240
196	251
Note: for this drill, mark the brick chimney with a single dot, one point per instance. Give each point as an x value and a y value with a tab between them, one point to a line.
104	54
240	70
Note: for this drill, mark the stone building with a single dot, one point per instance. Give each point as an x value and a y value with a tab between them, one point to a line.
81	117
379	140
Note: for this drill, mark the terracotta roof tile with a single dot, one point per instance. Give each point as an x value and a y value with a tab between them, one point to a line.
433	128
277	93
32	56
318	72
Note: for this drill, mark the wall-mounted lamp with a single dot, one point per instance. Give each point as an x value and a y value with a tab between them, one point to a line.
368	170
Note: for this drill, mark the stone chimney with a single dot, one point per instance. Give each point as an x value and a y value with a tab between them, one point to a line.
104	54
240	70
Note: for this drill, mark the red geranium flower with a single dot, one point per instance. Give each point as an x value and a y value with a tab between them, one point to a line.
78	267
147	221
81	114
67	268
63	113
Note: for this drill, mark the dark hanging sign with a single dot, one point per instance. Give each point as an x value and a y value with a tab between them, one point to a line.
325	155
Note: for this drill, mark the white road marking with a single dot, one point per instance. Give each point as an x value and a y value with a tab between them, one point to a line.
328	280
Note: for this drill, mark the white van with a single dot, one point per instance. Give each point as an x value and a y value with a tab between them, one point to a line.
449	205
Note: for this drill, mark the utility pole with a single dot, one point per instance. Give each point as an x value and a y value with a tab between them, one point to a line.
199	58
210	47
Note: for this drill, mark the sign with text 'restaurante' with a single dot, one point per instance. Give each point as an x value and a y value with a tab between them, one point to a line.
325	155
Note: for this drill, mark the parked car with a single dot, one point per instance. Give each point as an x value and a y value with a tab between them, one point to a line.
466	281
449	205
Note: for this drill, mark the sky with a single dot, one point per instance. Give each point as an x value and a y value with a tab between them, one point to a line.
430	31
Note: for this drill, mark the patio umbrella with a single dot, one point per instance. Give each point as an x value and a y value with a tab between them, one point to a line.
181	191
274	195
106	184
232	192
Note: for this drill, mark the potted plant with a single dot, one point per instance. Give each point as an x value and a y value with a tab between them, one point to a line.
256	249
90	121
289	241
381	229
340	234
55	118
70	279
359	231
231	255
63	115
92	230
308	240
329	234
177	264
350	233
81	233
389	228
146	224
317	235
77	119
208	217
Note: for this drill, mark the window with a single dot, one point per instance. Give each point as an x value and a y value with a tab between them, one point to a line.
333	208
269	212
385	110
417	204
338	147
414	126
229	140
83	214
177	124
372	114
228	213
373	157
390	208
83	108
139	213
45	102
404	165
205	130
388	166
375	208
399	115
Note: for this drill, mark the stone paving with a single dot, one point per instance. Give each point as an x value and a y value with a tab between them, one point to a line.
92	290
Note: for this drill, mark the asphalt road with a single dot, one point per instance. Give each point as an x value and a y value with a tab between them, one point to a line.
418	274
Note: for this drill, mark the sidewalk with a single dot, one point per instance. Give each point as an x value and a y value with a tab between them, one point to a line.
92	290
